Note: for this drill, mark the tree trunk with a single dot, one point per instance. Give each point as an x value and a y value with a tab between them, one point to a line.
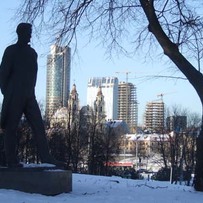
194	77
198	181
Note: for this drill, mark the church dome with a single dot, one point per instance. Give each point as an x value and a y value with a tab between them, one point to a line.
61	113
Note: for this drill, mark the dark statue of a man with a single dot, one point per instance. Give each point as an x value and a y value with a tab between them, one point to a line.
18	74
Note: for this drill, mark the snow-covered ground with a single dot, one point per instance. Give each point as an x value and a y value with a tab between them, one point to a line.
99	189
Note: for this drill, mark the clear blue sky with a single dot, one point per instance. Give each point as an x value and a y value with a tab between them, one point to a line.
91	62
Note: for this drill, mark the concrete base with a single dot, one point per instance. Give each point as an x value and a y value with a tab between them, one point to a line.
42	180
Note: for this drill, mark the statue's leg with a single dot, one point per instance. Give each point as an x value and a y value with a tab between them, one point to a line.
33	115
10	139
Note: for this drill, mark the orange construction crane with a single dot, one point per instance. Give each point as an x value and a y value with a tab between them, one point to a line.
162	94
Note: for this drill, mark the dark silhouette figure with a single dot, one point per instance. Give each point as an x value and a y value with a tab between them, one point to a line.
18	74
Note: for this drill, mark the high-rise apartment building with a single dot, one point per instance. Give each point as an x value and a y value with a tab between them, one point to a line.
154	116
109	87
127	105
58	79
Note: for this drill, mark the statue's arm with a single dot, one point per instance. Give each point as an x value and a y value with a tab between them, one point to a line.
5	69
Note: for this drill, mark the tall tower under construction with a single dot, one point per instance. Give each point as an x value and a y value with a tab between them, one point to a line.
154	116
127	105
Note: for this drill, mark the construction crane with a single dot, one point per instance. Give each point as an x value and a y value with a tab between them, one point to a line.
162	94
125	72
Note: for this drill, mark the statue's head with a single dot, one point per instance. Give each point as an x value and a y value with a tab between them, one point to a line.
24	31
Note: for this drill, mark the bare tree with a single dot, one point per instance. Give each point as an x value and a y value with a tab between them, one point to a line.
95	152
174	24
57	142
111	145
26	146
182	128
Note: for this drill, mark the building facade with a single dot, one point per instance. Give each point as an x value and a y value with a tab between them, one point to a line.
109	87
144	150
127	105
58	79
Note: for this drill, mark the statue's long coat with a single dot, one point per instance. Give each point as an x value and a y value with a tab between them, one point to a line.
18	73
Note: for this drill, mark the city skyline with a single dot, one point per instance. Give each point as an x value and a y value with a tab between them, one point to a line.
119	99
92	58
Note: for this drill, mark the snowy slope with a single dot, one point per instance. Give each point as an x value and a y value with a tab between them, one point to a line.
99	189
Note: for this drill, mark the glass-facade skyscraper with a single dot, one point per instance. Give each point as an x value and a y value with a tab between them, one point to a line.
58	79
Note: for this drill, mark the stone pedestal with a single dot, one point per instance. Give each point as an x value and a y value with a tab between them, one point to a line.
42	180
